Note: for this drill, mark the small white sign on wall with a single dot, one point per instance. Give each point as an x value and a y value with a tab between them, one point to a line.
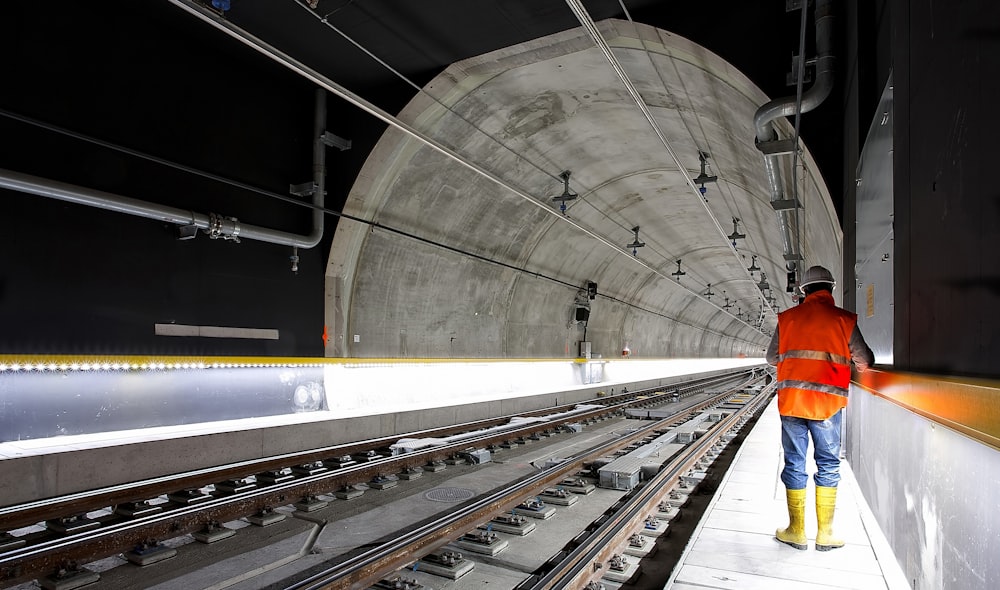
357	337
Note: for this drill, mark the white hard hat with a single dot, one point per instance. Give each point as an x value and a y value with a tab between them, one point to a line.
816	274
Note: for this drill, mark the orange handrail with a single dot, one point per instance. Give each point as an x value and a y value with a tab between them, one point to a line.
967	405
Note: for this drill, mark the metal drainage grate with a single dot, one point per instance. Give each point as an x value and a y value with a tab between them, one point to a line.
449	494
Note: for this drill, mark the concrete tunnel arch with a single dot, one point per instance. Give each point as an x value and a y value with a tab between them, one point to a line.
525	113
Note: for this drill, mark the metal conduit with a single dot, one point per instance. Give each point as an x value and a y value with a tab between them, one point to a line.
785	107
197	10
215	225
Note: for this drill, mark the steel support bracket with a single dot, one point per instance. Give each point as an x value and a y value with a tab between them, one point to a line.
776	147
187	232
302	190
335	141
786	204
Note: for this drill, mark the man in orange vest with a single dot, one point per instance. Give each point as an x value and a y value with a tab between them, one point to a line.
813	347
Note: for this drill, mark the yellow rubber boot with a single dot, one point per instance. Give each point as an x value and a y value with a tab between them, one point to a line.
795	534
826	500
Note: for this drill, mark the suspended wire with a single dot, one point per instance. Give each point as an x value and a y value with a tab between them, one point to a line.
530	161
691	134
516	154
308	205
144	156
210	17
625	10
588	24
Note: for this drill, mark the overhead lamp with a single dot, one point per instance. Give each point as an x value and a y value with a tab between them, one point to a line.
736	235
678	273
728	304
792	282
636	244
709	292
753	265
566	194
762	285
704	177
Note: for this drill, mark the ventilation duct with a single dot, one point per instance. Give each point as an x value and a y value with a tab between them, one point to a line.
773	148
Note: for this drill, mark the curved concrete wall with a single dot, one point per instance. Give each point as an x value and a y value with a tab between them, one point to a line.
526	113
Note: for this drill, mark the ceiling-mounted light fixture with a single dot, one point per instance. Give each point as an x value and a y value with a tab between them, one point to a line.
736	235
636	244
566	194
678	273
753	265
708	293
762	285
728	304
704	177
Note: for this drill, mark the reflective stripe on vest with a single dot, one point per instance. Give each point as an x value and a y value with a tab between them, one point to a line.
815	355
814	370
790	384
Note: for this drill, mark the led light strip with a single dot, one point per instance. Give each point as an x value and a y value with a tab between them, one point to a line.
65	363
26	364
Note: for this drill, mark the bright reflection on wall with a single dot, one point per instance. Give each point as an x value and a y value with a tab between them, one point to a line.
364	389
41	404
60	397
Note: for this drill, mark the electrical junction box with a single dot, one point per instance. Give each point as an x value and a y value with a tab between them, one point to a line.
584	349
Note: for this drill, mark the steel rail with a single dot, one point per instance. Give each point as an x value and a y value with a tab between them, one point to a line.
363	570
28	513
120	533
585	563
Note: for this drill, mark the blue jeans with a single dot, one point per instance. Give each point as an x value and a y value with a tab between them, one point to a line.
795	434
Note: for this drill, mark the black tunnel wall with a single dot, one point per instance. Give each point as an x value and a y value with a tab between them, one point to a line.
946	221
947	200
75	279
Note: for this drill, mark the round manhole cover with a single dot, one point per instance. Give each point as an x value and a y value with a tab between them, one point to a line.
449	494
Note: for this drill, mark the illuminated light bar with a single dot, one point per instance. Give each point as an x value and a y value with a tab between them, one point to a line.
66	363
57	363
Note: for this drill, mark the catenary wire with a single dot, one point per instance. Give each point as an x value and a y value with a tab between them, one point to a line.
669	259
336	213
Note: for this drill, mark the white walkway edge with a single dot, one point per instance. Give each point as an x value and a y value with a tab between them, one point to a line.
733	546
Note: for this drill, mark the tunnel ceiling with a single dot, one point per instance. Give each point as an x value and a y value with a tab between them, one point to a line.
482	252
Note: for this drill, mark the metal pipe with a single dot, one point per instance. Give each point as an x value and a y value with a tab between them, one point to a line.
319	172
216	225
784	107
225	227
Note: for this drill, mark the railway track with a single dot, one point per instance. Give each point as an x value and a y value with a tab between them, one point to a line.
143	513
581	563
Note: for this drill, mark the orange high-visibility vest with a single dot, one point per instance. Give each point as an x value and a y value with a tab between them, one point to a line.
814	357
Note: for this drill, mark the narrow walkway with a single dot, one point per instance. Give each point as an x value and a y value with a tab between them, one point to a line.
734	545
